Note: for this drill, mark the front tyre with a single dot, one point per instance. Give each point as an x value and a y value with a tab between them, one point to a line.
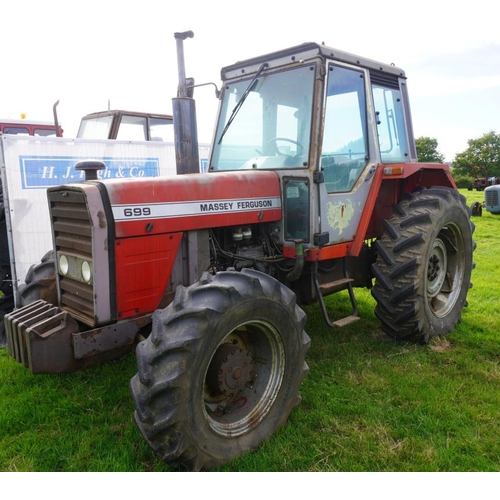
424	263
40	282
221	370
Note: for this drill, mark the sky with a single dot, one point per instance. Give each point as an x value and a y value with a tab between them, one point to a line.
94	54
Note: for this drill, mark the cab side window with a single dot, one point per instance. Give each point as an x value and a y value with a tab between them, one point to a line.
390	124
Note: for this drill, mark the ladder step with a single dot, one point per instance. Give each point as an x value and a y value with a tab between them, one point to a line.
346	321
332	286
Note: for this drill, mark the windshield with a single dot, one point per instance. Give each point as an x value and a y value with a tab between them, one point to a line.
95	128
271	127
44	132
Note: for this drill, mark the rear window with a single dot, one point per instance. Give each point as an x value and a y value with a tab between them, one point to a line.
44	132
16	130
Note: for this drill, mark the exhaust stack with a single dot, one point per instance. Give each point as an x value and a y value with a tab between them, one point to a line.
184	113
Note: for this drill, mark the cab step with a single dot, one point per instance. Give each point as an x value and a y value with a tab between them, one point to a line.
335	286
345	321
332	287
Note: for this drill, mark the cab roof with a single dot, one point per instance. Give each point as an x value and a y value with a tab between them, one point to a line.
306	51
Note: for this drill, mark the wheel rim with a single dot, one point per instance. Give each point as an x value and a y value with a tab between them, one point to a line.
445	271
243	378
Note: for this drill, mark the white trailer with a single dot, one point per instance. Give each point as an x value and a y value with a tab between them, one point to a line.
29	165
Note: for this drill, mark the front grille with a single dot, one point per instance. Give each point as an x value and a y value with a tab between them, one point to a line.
491	196
73	235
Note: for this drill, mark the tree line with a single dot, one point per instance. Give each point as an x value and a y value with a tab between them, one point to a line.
480	159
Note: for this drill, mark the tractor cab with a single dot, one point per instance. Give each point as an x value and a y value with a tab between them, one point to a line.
323	120
127	126
27	127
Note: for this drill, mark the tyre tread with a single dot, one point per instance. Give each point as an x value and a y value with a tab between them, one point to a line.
398	288
160	395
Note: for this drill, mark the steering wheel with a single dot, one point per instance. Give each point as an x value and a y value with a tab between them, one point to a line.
274	145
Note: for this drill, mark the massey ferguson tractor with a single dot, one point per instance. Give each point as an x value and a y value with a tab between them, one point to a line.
312	188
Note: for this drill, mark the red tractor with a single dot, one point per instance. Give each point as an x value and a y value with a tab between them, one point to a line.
312	188
480	182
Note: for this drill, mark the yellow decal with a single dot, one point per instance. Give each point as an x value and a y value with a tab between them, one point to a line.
339	215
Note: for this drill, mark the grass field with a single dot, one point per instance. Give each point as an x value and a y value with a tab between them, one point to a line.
369	403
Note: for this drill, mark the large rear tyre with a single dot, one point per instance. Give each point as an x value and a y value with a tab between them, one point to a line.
221	370
424	263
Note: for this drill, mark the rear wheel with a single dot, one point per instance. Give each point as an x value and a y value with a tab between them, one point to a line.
424	264
221	370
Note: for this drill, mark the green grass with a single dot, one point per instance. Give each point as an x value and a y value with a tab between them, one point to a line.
369	403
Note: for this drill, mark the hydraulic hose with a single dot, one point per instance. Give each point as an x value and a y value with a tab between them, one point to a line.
299	263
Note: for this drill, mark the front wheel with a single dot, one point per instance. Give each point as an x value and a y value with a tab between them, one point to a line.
40	282
221	370
424	263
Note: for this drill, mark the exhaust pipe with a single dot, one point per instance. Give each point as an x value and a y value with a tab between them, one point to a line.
184	112
56	121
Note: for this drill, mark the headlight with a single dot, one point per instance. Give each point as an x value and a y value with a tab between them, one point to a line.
75	267
86	272
63	265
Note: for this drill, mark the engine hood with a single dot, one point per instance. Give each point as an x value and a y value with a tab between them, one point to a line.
192	201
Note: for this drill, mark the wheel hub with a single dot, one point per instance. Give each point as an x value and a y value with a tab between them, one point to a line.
230	370
436	269
243	378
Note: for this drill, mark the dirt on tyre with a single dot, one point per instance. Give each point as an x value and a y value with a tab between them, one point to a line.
221	370
423	266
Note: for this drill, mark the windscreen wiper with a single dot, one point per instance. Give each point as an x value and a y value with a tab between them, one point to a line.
249	89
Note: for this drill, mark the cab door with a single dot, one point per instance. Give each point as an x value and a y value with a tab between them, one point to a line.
345	162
